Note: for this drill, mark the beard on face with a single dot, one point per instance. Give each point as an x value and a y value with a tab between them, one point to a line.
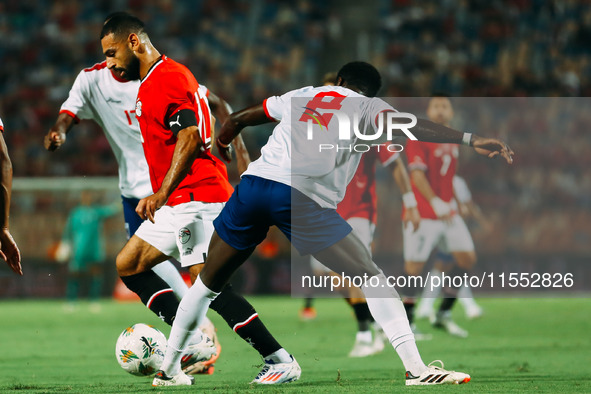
132	68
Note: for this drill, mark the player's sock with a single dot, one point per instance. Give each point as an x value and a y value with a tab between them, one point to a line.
388	311
168	272
452	292
308	302
191	313
244	320
155	293
432	289
409	308
96	285
72	288
363	316
280	356
465	296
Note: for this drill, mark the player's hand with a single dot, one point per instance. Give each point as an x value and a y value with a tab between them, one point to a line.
441	209
225	152
492	147
54	139
9	251
412	218
147	207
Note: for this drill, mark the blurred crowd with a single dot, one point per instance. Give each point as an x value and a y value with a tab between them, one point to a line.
246	51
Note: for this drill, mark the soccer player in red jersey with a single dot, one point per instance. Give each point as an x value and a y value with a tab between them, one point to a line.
432	168
190	184
8	249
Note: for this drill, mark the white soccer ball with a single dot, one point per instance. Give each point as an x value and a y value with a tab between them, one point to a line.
140	349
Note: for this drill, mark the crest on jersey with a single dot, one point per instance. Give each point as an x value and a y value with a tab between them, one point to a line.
138	108
184	235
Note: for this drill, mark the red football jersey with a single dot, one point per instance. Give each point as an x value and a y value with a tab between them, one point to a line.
168	88
439	162
360	198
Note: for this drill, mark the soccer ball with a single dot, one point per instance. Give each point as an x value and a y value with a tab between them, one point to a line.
140	349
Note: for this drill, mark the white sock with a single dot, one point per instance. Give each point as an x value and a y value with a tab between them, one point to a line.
465	296
168	272
280	356
431	292
363	336
192	310
387	309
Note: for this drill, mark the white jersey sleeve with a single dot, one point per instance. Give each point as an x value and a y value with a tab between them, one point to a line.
77	103
461	190
276	106
1	125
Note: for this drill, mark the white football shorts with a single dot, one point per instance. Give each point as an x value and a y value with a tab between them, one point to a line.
363	228
452	237
183	231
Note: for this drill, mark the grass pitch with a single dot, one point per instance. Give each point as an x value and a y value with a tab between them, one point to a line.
520	345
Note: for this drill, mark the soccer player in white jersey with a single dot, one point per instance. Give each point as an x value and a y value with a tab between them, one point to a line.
297	189
108	97
8	249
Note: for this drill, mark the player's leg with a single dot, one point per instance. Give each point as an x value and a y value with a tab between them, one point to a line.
96	285
242	224
134	266
244	320
166	270
366	343
425	307
418	246
459	242
73	284
387	308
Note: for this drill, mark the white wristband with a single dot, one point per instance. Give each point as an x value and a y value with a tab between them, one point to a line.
409	200
222	144
440	207
467	139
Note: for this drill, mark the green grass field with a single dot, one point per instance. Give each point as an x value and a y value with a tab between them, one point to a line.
520	345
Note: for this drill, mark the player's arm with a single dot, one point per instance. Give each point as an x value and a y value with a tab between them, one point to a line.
221	110
441	208
428	131
188	146
56	136
231	128
8	249
400	175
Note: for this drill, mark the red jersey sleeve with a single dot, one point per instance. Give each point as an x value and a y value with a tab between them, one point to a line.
385	156
416	155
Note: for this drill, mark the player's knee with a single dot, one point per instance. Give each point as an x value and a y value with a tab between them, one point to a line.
413	268
466	260
126	264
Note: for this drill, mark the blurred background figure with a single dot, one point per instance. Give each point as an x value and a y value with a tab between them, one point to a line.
84	234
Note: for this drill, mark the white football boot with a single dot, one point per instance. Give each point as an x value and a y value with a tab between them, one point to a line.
161	379
436	375
443	320
277	373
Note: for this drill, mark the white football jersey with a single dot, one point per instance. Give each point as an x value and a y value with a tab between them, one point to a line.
298	152
110	102
97	94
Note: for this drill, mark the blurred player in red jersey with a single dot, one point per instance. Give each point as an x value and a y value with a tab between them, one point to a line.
432	168
444	261
190	184
8	249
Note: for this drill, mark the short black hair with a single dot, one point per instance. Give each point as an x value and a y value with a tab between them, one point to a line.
363	76
122	24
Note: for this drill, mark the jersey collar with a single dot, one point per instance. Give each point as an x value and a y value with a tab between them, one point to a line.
153	67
